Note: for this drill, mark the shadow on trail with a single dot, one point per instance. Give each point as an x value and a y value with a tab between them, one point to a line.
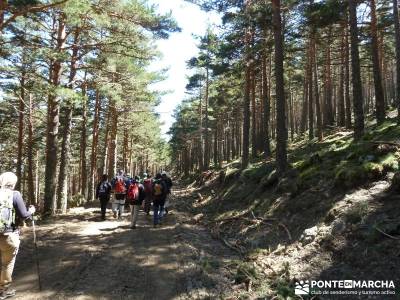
103	260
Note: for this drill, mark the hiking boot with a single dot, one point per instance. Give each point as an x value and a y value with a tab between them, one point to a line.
7	293
115	214
133	226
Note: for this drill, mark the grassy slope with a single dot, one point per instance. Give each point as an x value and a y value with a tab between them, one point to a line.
335	183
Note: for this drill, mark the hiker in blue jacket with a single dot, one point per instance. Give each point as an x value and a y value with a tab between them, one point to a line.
103	192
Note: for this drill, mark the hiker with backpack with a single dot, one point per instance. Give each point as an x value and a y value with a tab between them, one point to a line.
148	190
135	197
120	186
103	194
168	183
159	196
11	205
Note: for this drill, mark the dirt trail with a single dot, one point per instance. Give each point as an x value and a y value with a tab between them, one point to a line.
82	257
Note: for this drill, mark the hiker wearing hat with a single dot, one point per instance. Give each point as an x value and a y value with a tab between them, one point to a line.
11	205
120	186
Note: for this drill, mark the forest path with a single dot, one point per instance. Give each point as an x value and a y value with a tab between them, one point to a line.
82	257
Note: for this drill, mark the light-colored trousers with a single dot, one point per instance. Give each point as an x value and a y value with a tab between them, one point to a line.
9	245
134	214
118	206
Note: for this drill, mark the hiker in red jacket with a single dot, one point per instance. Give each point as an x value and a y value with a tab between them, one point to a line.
135	197
120	186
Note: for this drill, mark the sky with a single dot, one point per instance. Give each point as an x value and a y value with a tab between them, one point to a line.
176	51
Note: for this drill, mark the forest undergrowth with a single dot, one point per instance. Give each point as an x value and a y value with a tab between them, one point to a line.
334	215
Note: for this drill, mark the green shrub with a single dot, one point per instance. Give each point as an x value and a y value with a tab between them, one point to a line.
245	272
389	162
372	170
357	213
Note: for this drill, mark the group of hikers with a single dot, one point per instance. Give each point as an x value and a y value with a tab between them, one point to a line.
133	191
137	194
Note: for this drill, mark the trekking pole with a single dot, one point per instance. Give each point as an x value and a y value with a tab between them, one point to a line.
36	253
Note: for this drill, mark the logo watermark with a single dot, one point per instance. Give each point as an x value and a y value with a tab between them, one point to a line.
345	287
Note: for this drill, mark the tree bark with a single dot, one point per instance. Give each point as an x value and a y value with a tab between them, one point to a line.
84	178
53	108
379	96
62	195
21	115
358	105
316	93
266	107
253	114
341	106
29	152
347	79
397	40
95	141
281	130
246	119
206	133
112	146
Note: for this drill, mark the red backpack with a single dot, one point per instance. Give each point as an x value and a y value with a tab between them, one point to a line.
133	192
148	186
120	186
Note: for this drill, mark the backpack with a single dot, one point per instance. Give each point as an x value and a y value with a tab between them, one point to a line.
148	186
7	212
103	189
120	186
133	191
158	188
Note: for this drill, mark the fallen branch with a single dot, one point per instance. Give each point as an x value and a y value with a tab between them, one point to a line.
386	234
230	246
287	230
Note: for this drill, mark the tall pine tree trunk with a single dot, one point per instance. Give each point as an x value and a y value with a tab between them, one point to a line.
206	133
53	108
358	105
347	79
281	130
62	193
95	141
266	107
316	93
83	166
246	105
310	88
379	96
253	114
397	40
341	109
29	152
112	146
21	115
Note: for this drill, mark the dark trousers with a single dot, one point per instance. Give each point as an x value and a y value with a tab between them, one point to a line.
147	204
103	206
158	206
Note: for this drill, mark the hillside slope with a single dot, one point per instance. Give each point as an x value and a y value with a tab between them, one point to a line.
334	215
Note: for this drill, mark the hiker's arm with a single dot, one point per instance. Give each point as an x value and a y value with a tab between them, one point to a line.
20	207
